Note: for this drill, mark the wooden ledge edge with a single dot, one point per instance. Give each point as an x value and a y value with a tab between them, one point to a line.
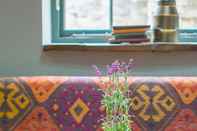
154	47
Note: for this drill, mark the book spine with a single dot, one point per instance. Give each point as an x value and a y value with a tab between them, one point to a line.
129	31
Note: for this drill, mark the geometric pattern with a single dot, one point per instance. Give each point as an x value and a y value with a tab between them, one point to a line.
79	110
153	103
74	103
15	103
42	88
187	89
186	120
38	120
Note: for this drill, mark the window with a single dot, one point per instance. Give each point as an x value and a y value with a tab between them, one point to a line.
88	21
187	10
91	21
84	21
187	13
187	19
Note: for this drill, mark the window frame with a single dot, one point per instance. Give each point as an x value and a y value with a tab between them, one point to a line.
187	35
60	35
52	36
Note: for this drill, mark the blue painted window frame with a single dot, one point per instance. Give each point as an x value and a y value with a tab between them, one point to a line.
60	35
188	35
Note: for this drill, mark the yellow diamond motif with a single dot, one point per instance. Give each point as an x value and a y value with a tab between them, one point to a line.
168	103
136	103
22	101
79	110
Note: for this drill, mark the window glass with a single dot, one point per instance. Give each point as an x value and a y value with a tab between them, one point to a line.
130	12
86	14
95	14
188	13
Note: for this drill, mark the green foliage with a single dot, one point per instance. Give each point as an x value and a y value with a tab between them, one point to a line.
116	97
117	106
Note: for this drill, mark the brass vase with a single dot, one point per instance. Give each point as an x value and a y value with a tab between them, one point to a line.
166	22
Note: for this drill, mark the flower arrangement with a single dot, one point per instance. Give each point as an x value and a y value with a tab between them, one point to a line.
115	99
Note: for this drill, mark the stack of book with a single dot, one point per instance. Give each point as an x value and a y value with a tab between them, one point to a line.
129	34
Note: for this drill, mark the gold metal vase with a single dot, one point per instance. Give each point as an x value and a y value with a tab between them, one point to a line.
166	22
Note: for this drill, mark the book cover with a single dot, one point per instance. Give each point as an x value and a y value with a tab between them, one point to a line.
127	36
125	31
131	27
129	40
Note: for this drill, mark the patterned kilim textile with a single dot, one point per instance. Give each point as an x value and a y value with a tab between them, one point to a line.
74	103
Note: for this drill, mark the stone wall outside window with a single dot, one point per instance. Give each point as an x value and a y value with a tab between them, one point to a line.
126	12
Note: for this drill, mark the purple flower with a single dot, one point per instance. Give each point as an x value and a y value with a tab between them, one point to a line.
125	67
115	66
109	70
98	72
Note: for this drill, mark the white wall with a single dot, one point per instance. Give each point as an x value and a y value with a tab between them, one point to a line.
21	52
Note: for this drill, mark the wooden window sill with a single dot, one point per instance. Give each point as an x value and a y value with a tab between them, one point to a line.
156	47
